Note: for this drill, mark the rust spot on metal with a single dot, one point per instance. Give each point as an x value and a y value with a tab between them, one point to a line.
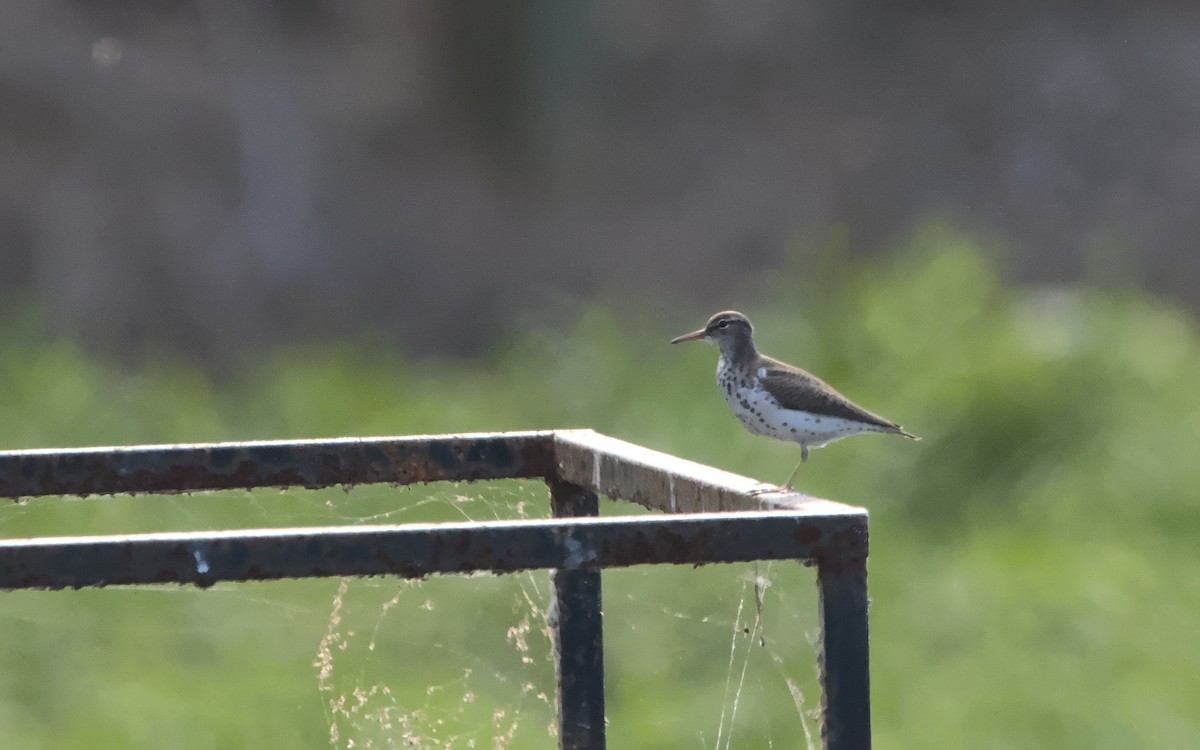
538	456
663	546
411	468
807	533
846	552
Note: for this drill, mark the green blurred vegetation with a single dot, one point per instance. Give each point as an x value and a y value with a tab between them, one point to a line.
1034	572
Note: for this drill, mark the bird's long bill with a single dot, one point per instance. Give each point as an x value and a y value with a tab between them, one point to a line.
693	336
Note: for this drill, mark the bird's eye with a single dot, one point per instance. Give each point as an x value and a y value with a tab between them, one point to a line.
723	324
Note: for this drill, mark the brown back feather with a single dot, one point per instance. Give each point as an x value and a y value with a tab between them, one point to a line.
796	389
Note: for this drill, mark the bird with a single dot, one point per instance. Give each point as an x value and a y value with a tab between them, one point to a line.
777	400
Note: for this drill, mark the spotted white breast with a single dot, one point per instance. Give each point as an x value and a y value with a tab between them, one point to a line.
762	415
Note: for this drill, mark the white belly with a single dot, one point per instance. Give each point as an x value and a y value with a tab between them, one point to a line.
762	415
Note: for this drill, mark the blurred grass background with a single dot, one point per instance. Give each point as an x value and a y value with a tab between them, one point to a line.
1034	573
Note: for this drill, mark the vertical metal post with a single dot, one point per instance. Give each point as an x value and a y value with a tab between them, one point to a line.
579	635
845	670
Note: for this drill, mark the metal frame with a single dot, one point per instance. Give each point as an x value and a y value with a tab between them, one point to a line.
726	518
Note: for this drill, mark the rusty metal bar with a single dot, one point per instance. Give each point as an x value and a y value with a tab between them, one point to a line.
579	635
659	481
844	656
411	550
296	463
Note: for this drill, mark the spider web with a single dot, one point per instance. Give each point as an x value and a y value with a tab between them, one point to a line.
713	657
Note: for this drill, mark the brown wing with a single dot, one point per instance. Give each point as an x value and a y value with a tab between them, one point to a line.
796	389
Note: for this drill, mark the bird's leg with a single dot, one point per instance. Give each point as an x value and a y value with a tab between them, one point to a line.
803	457
787	486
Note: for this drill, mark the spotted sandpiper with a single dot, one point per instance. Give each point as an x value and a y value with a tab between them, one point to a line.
777	400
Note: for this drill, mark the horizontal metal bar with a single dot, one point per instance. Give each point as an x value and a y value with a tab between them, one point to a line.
415	550
660	481
293	463
611	467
